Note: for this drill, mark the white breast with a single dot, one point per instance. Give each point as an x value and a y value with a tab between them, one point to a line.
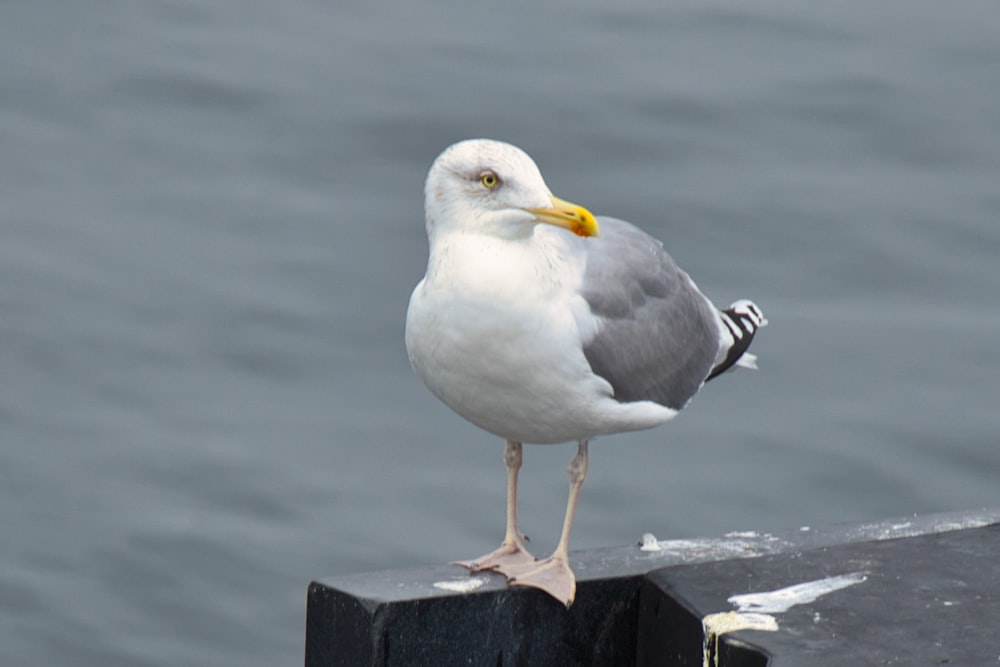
494	331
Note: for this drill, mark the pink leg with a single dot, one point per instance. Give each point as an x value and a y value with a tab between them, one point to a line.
553	575
512	551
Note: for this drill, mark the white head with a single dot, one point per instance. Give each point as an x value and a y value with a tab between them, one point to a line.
487	186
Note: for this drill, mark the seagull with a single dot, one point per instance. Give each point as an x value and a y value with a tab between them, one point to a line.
542	324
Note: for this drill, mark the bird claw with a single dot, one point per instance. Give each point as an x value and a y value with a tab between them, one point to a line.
507	555
552	575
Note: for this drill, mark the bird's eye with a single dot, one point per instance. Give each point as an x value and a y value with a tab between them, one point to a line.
489	180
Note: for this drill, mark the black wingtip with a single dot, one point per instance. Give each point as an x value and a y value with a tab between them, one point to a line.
743	318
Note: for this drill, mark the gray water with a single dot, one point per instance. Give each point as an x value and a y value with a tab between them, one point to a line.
211	221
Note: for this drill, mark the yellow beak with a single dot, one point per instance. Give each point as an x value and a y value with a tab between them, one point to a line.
570	216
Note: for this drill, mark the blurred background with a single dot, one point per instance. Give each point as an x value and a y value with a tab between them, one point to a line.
211	221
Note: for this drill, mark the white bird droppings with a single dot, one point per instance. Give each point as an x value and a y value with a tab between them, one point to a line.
716	625
783	599
460	585
648	542
754	610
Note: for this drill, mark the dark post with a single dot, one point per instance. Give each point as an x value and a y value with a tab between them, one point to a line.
921	590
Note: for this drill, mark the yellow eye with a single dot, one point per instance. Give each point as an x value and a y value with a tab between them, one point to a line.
489	180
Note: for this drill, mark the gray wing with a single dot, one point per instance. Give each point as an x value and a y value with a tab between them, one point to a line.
658	337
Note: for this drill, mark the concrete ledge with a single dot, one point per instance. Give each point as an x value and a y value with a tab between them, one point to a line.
927	600
647	606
